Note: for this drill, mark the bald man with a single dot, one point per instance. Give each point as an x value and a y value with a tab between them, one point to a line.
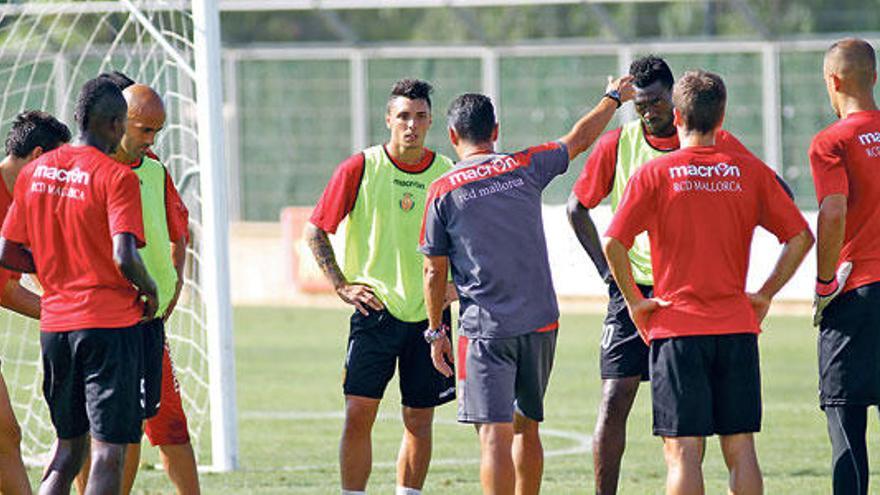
845	158
165	227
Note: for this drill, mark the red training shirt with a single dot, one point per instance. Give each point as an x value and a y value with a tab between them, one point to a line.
5	203
597	177
845	159
341	192
68	205
700	206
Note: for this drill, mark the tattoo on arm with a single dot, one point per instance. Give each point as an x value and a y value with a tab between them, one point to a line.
321	248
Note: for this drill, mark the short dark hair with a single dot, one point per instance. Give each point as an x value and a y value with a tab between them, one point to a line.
700	97
472	116
99	98
855	57
414	89
34	128
649	69
121	80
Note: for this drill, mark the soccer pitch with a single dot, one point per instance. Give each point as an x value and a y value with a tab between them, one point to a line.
289	366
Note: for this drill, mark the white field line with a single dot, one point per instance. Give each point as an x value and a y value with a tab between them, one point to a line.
582	443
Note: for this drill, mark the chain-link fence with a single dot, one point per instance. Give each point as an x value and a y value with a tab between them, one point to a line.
295	112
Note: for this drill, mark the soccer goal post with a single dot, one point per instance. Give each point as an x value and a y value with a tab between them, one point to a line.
47	50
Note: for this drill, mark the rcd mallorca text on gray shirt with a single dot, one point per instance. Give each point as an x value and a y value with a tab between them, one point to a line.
485	215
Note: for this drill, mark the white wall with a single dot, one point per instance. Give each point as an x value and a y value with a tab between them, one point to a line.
574	274
261	262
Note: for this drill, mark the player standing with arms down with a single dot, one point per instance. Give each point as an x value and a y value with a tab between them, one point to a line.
614	159
32	134
845	160
700	206
483	218
76	221
382	192
165	228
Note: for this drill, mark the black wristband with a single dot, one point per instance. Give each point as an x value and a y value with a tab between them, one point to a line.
824	281
614	95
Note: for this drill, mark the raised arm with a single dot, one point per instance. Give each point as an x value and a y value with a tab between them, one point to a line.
591	125
586	233
130	264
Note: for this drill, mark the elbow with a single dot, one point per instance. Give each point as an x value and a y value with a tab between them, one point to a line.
833	211
608	245
807	239
572	207
430	273
309	231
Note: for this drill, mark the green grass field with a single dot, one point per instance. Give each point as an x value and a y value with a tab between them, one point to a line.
288	365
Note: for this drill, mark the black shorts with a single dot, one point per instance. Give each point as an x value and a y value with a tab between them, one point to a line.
376	342
92	383
849	349
623	353
705	385
154	348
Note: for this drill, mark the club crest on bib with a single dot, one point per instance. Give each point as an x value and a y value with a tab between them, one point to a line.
406	202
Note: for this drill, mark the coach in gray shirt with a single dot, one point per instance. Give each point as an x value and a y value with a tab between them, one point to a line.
484	219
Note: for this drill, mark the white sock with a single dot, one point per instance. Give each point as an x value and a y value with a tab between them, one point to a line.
402	490
354	492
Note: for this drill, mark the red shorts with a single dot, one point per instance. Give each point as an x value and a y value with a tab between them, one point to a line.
168	426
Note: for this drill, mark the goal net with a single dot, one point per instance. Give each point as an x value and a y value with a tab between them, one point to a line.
47	51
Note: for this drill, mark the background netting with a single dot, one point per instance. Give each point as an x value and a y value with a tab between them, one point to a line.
47	51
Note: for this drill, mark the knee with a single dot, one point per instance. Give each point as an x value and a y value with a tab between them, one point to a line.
682	452
108	457
528	428
496	436
738	449
418	422
68	457
359	419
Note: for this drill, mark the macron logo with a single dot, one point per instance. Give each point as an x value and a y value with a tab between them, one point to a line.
869	138
74	176
496	167
717	170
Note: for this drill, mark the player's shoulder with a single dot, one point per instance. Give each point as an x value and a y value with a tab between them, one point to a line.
355	161
46	159
836	134
439	160
611	138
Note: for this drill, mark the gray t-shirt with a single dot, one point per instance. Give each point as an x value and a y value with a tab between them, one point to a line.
485	215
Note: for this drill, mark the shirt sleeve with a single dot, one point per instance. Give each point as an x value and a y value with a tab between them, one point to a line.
339	195
124	212
635	211
730	144
176	214
15	224
779	215
434	238
827	164
597	178
545	161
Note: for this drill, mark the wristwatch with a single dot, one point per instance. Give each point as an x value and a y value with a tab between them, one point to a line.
614	95
435	334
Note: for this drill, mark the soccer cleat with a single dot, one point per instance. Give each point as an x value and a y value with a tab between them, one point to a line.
821	302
